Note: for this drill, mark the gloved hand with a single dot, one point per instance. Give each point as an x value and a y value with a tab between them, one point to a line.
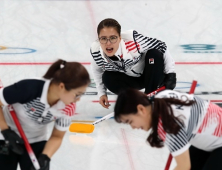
12	140
44	162
170	81
4	149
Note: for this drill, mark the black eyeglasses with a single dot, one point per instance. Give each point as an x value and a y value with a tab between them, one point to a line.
77	96
112	39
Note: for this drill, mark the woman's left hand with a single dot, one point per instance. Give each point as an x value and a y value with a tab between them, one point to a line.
44	162
169	81
52	145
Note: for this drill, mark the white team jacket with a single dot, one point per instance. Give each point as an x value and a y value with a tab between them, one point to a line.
131	54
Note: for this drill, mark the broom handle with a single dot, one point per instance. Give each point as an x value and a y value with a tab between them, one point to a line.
112	114
22	134
27	145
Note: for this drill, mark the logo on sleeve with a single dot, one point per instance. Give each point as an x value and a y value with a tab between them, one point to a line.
33	109
151	61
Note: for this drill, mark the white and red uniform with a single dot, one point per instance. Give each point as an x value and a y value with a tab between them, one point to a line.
29	100
131	54
202	126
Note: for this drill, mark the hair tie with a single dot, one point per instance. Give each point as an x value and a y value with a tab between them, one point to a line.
62	65
151	99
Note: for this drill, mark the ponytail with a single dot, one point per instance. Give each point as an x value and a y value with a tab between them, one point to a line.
162	110
72	74
54	68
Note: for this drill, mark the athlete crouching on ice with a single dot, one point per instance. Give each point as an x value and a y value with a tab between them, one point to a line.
129	60
187	124
38	102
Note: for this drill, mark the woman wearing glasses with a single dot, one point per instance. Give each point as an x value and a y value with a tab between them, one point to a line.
38	102
129	60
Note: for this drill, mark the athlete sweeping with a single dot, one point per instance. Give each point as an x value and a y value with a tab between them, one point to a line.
37	102
190	127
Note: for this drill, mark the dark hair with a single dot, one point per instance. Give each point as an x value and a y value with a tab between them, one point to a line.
109	22
72	74
129	99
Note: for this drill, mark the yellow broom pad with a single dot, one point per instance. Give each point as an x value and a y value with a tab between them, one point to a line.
81	128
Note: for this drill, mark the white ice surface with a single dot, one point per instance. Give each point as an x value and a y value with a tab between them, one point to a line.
65	29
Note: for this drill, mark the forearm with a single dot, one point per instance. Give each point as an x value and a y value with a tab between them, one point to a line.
3	124
100	87
169	63
52	146
183	161
97	75
181	168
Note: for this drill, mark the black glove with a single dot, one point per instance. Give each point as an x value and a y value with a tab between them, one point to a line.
44	161
170	81
4	149
13	141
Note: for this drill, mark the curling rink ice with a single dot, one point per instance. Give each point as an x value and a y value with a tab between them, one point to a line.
35	33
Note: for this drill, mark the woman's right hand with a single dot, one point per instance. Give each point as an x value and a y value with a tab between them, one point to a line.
103	100
13	140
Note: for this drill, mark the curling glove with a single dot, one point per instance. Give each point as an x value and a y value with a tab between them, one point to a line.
169	81
44	162
13	140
